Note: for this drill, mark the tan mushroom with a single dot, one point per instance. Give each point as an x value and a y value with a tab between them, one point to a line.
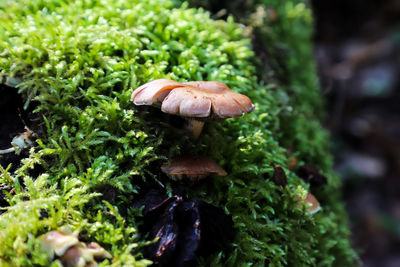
98	251
72	253
57	243
192	167
77	256
197	101
311	202
154	92
81	255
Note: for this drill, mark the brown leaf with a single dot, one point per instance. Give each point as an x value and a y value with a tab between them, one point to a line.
279	176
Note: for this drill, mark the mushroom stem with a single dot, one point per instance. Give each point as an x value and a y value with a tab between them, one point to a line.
194	127
8	150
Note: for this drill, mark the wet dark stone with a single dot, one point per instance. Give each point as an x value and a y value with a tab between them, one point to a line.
186	229
167	230
190	235
217	229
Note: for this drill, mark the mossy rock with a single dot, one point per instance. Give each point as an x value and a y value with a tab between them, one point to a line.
80	61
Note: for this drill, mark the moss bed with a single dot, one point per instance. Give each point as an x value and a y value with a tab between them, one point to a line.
77	62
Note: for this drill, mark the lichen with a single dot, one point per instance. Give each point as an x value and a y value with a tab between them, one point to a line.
80	61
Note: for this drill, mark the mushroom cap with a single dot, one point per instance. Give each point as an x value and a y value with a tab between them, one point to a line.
154	92
98	252
57	243
76	256
192	167
312	203
206	100
201	99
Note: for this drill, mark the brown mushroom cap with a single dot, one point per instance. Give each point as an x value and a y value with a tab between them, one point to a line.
206	100
77	256
193	167
311	201
154	92
193	99
98	252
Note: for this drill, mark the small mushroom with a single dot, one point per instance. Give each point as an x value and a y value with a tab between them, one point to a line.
57	243
64	244
20	142
196	101
311	202
192	167
98	252
78	256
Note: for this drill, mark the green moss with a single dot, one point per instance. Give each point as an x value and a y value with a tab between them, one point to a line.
80	61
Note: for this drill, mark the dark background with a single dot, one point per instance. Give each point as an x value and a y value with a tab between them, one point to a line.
356	47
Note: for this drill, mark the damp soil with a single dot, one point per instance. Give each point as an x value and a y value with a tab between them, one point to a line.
13	119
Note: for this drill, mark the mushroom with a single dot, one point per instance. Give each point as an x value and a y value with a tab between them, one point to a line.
71	252
56	242
311	202
192	167
77	256
98	252
81	255
20	142
196	101
154	92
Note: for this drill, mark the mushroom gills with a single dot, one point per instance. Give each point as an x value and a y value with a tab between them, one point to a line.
208	100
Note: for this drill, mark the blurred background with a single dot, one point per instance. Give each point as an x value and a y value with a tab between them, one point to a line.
356	45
